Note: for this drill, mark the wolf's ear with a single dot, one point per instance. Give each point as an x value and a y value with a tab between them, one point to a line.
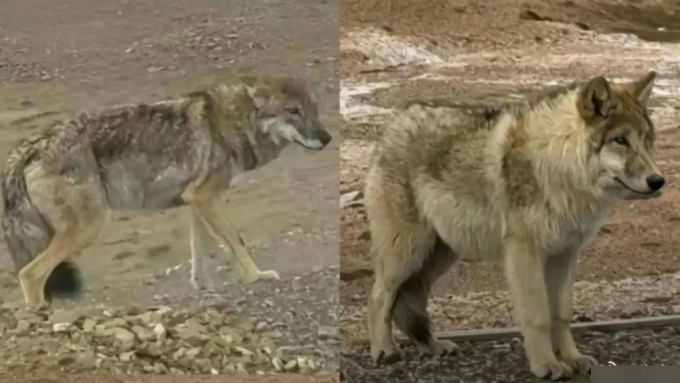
642	88
265	104
595	99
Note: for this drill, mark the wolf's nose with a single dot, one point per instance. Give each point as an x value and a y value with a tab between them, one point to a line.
325	138
655	182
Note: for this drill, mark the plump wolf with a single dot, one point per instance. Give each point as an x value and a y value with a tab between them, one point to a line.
60	186
527	185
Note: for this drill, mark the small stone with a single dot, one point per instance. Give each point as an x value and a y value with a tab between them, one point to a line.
193	352
244	351
27	315
274	334
631	310
151	317
160	368
60	327
123	335
233	335
66	359
179	353
23	327
154	349
64	316
204	364
162	310
116	322
328	332
214	371
241	369
126	356
144	334
86	360
290	366
276	362
195	326
88	325
191	336
261	327
160	331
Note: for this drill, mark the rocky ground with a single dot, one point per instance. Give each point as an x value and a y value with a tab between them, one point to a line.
60	57
504	361
161	341
400	52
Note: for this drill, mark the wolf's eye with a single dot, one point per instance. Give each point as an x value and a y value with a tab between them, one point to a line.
621	141
294	110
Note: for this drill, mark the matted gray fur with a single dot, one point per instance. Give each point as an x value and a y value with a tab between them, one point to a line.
527	186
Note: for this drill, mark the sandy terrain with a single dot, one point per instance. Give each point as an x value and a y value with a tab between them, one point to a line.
60	57
399	52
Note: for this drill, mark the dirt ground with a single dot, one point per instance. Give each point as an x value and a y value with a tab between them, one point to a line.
60	57
398	52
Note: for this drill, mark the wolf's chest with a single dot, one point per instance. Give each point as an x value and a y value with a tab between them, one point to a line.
573	234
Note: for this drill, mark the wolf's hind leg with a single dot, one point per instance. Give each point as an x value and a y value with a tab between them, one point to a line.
410	308
77	213
560	283
396	255
200	243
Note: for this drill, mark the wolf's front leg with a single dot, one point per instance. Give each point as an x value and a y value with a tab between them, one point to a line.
200	244
222	230
524	266
559	274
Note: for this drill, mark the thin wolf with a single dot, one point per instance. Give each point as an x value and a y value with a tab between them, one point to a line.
528	186
60	186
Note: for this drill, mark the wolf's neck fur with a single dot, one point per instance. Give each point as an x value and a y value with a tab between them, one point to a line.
248	141
255	146
559	144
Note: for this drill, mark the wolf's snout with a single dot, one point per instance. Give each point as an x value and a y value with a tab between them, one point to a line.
325	137
655	182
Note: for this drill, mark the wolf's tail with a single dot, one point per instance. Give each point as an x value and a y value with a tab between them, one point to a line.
28	233
410	306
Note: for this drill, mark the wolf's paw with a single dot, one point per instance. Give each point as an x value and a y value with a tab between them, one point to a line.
202	281
581	363
259	275
554	370
268	274
37	306
197	284
388	355
438	347
443	347
202	285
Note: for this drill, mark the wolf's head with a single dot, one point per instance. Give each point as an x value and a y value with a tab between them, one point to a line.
622	135
287	111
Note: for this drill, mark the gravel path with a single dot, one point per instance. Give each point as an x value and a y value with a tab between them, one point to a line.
504	361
